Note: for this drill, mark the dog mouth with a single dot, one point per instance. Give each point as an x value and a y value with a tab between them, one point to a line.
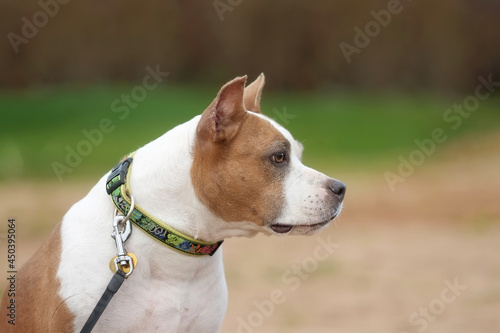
286	228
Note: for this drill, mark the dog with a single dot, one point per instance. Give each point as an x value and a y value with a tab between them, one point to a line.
228	172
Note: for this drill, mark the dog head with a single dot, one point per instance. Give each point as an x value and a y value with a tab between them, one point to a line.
246	167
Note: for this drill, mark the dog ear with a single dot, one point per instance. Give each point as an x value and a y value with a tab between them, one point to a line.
223	117
253	93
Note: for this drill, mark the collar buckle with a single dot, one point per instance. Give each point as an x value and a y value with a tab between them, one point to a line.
117	175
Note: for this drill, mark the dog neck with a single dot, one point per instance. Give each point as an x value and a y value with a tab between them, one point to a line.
169	196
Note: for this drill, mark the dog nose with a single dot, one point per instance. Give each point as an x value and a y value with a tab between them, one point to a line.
337	187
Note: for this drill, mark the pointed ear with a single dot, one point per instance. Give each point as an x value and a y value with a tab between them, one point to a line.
253	93
223	117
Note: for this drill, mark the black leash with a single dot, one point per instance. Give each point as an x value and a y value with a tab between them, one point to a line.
111	289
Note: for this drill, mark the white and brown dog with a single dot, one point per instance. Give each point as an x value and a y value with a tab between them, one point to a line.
229	172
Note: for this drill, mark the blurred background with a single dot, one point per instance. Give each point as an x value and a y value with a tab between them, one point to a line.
398	99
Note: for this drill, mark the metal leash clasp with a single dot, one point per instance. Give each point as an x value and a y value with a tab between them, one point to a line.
121	232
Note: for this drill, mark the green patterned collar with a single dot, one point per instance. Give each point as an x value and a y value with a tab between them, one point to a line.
118	188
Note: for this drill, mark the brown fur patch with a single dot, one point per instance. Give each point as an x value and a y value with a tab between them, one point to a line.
237	179
39	308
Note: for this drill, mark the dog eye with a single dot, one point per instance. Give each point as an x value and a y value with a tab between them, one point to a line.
279	158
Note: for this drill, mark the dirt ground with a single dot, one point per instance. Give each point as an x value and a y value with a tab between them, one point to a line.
424	258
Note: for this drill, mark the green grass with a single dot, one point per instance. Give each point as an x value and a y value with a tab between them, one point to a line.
38	125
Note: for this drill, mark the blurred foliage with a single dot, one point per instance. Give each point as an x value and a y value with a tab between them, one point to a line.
44	125
82	56
429	45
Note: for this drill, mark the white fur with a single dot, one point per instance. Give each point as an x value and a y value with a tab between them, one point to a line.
168	291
